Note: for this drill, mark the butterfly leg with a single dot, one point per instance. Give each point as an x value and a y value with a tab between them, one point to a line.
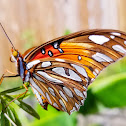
26	87
3	76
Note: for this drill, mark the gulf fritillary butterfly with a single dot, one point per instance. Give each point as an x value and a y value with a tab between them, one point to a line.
60	71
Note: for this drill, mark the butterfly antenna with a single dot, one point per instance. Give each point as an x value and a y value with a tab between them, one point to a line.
7	36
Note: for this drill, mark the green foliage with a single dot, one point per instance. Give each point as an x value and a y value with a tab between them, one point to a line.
90	105
9	110
53	117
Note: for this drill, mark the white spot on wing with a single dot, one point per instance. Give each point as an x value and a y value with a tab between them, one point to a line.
38	78
61	102
47	95
74	76
37	95
71	111
101	57
94	73
61	93
46	64
85	93
125	42
60	60
112	36
68	92
44	74
96	70
54	104
99	39
82	101
34	90
61	71
39	98
85	88
78	92
51	91
36	87
77	106
79	58
27	76
119	48
31	64
116	33
56	45
80	70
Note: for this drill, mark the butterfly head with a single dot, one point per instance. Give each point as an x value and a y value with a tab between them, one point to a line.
15	55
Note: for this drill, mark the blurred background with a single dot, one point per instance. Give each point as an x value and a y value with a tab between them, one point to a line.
30	23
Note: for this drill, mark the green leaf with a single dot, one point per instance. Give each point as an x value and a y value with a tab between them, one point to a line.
10	114
11	90
29	109
24	106
21	97
52	117
4	120
17	121
111	91
90	105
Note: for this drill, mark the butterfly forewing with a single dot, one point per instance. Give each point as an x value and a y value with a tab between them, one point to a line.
63	68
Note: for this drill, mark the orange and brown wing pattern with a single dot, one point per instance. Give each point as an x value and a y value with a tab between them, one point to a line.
64	67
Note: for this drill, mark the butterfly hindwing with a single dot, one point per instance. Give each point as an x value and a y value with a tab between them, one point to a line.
61	84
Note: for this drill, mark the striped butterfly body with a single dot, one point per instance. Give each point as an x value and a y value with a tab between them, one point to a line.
59	71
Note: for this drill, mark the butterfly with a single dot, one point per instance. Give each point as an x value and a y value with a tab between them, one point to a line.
60	71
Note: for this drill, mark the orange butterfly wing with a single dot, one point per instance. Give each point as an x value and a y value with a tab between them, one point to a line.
63	68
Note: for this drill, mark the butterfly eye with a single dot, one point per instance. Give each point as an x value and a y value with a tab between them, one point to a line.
15	53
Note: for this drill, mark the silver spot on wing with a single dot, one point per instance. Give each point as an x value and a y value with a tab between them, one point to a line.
61	93
31	64
74	109
98	39
63	105
119	48
61	71
82	101
51	91
79	93
101	57
36	87
44	74
77	106
81	70
79	58
68	92
116	33
46	64
54	104
37	95
38	78
85	94
60	60
47	96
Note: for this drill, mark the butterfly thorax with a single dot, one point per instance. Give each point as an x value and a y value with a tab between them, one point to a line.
21	65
